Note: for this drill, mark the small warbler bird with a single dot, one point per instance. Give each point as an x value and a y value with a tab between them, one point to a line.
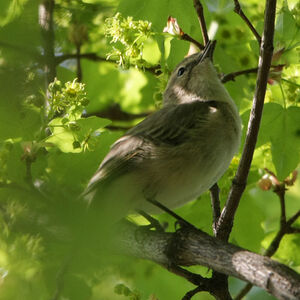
176	153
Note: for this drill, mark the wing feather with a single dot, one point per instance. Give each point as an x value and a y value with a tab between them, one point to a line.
169	127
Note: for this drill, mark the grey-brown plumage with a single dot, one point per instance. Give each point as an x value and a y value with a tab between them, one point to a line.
176	153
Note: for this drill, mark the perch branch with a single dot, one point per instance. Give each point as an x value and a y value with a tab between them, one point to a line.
188	246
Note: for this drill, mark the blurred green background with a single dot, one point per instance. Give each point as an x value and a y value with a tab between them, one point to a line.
49	150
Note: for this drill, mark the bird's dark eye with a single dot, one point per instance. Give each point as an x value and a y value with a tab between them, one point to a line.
180	71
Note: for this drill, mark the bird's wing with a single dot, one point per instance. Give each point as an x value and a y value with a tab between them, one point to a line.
170	126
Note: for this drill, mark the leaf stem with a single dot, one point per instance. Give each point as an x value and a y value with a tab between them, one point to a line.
283	95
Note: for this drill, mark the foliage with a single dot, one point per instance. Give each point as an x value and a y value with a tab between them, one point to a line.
52	136
131	34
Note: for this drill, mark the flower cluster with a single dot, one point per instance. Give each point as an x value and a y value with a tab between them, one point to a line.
130	35
69	98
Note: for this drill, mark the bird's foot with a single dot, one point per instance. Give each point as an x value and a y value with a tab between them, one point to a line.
179	220
153	222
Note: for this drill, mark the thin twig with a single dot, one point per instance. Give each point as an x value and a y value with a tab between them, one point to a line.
90	56
239	11
280	192
239	183
182	221
246	289
188	38
28	176
275	243
156	70
270	251
215	203
293	218
231	76
195	279
192	293
199	9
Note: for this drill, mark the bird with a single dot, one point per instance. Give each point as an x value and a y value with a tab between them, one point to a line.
175	154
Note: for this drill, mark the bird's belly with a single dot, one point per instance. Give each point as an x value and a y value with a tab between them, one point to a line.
174	187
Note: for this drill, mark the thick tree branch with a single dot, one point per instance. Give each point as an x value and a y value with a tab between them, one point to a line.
239	183
188	247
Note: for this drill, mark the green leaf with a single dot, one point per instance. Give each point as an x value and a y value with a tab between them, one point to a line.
159	15
250	223
73	170
68	138
281	128
76	288
92	124
287	29
10	9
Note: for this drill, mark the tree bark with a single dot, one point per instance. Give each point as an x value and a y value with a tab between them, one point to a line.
188	246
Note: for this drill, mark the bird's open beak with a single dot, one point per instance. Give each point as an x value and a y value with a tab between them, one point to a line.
208	51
